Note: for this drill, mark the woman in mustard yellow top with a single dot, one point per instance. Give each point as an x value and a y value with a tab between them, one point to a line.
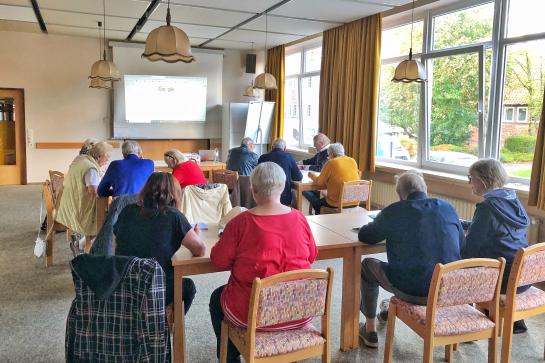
336	171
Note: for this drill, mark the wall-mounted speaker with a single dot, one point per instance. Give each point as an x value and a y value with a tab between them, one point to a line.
250	63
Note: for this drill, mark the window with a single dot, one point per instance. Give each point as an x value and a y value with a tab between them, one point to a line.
464	112
302	92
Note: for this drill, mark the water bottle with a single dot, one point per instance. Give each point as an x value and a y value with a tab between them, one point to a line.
216	155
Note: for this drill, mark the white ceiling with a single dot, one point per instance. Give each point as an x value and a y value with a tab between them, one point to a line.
214	22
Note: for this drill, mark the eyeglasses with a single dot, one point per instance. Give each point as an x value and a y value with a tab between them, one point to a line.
169	156
469	178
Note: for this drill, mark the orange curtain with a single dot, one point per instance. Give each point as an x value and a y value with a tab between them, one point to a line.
275	66
536	196
349	82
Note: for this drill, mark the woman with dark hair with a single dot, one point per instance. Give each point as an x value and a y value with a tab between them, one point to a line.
155	228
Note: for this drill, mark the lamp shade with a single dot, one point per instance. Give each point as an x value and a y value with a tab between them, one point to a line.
410	70
99	83
250	91
265	81
169	44
105	71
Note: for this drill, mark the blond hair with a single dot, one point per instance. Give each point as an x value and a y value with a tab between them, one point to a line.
101	148
176	155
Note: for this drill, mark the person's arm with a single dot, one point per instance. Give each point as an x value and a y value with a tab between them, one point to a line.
313	250
296	174
478	232
321	180
91	181
253	160
105	186
193	242
223	253
375	231
310	161
260	160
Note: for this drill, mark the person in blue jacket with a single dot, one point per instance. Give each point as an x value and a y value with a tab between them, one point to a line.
242	159
126	176
500	223
279	156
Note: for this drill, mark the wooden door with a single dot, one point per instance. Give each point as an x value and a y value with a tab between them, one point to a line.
12	137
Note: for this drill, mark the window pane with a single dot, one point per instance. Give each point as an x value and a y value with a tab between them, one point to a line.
291	112
310	93
464	27
7	131
397	41
454	130
313	59
523	88
525	17
293	64
399	110
509	114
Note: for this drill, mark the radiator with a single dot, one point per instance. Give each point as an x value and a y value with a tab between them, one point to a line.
384	194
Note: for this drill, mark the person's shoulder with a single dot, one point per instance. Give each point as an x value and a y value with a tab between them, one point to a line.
147	162
130	209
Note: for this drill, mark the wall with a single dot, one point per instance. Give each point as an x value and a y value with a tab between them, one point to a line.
59	106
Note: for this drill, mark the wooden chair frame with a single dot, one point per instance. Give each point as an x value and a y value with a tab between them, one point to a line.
339	209
51	225
248	350
427	331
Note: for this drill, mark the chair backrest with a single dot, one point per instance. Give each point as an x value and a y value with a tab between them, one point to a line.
57	180
228	177
528	267
355	192
49	201
289	296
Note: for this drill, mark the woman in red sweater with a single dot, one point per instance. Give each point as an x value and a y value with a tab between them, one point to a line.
266	240
187	172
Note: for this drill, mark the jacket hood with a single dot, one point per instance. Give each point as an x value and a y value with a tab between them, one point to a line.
505	204
101	273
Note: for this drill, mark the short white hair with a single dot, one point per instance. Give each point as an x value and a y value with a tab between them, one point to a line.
267	178
131	147
279	143
335	149
247	141
409	182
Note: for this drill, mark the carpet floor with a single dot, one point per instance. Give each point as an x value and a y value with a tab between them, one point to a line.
34	302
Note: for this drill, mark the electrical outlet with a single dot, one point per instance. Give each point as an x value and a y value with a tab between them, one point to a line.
30	137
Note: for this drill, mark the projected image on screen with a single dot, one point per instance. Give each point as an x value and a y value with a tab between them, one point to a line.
164	99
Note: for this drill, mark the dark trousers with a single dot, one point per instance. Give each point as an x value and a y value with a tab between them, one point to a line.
316	202
216	315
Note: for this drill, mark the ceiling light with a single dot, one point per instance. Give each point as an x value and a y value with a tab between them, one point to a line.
168	43
410	70
103	72
265	80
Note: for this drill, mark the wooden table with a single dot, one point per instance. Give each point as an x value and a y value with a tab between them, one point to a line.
206	167
332	241
300	186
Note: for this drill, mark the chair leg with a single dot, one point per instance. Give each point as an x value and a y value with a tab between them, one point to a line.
449	351
223	342
493	349
389	344
455	346
428	351
506	339
326	357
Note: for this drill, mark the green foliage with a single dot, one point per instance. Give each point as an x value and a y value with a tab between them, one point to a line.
411	145
520	144
468	149
510	157
523	173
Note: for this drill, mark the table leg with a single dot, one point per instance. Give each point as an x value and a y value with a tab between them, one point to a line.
179	328
299	199
356	297
347	305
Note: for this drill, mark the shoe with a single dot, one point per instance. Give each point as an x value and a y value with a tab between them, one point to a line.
75	245
519	327
383	315
370	339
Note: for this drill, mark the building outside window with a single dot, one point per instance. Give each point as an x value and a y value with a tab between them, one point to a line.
302	92
484	93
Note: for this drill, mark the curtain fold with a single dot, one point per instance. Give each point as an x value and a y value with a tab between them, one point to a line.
536	197
349	86
275	66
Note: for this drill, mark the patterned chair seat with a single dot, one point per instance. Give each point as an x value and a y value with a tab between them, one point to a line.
451	320
268	344
529	299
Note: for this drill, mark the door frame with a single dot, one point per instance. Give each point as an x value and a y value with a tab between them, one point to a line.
20	132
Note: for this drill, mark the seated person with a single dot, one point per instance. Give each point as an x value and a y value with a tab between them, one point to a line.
500	223
337	170
77	208
317	162
126	176
419	232
242	158
266	240
155	228
279	156
187	172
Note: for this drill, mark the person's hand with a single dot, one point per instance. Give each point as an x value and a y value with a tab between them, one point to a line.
196	229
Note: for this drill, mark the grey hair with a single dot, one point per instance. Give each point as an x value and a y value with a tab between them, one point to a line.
335	149
491	172
409	182
176	155
267	178
101	148
279	143
321	137
131	147
247	141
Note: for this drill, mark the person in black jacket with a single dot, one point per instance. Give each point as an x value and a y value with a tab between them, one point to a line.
316	163
500	223
243	158
279	156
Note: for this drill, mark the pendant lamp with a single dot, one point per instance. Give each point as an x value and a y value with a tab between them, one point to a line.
251	91
410	70
265	80
103	72
168	44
